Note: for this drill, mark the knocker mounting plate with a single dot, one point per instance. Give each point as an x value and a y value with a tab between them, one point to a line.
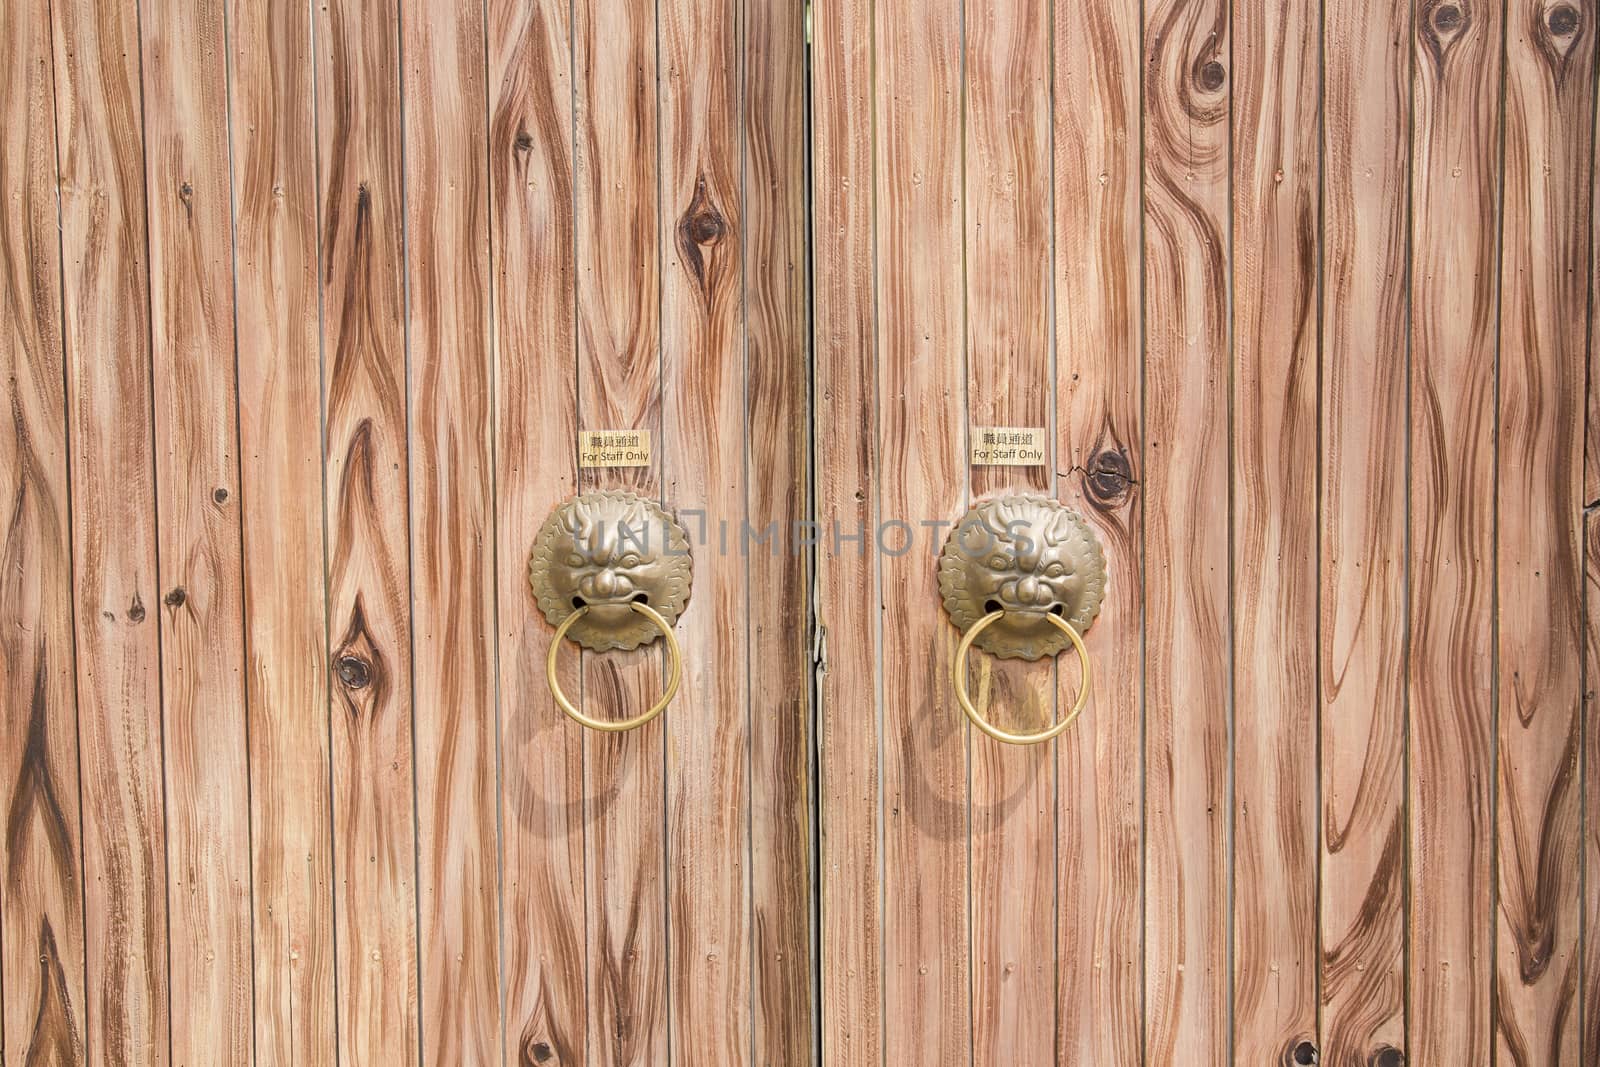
606	551
1026	556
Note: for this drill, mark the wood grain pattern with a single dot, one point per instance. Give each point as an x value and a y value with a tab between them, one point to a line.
1100	473
781	743
542	798
1589	985
705	383
1544	272
1276	160
1006	163
1591	466
199	543
280	507
1362	547
453	523
1450	682
619	387
106	315
850	693
922	448
42	1007
369	588
1187	426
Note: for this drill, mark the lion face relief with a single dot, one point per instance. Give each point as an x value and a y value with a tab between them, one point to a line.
1027	556
604	551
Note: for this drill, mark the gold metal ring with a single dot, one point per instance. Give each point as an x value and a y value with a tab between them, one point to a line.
960	675
674	672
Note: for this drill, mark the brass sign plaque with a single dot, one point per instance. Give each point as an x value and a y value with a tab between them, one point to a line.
1008	446
613	448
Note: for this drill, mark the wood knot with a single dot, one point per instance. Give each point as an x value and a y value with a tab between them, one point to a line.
536	1052
1212	75
1443	24
220	495
1108	479
136	609
1562	21
1303	1053
175	598
354	672
702	224
1388	1056
700	227
524	141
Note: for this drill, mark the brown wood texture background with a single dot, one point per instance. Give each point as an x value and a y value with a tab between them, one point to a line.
303	306
1303	291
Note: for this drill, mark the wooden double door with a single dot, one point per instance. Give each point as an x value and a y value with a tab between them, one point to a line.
309	308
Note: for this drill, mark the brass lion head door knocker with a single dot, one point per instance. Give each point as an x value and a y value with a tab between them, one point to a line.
612	570
1024	577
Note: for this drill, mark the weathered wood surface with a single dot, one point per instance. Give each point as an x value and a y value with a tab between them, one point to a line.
199	542
1276	168
1308	404
782	798
850	686
704	469
1362	544
106	316
542	790
1100	458
1455	293
922	442
280	488
620	225
366	417
42	1005
452	529
1006	160
1545	266
303	307
1188	427
1589	761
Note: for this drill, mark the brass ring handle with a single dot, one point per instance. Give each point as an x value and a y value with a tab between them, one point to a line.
960	678
674	672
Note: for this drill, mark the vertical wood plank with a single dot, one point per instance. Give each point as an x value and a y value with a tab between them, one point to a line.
619	387
704	464
280	459
1544	278
1591	467
1276	149
1362	554
777	410
1589	1007
1454	269
1006	160
542	774
42	1007
106	308
922	450
850	712
1099	472
189	207
369	588
453	523
1187	425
